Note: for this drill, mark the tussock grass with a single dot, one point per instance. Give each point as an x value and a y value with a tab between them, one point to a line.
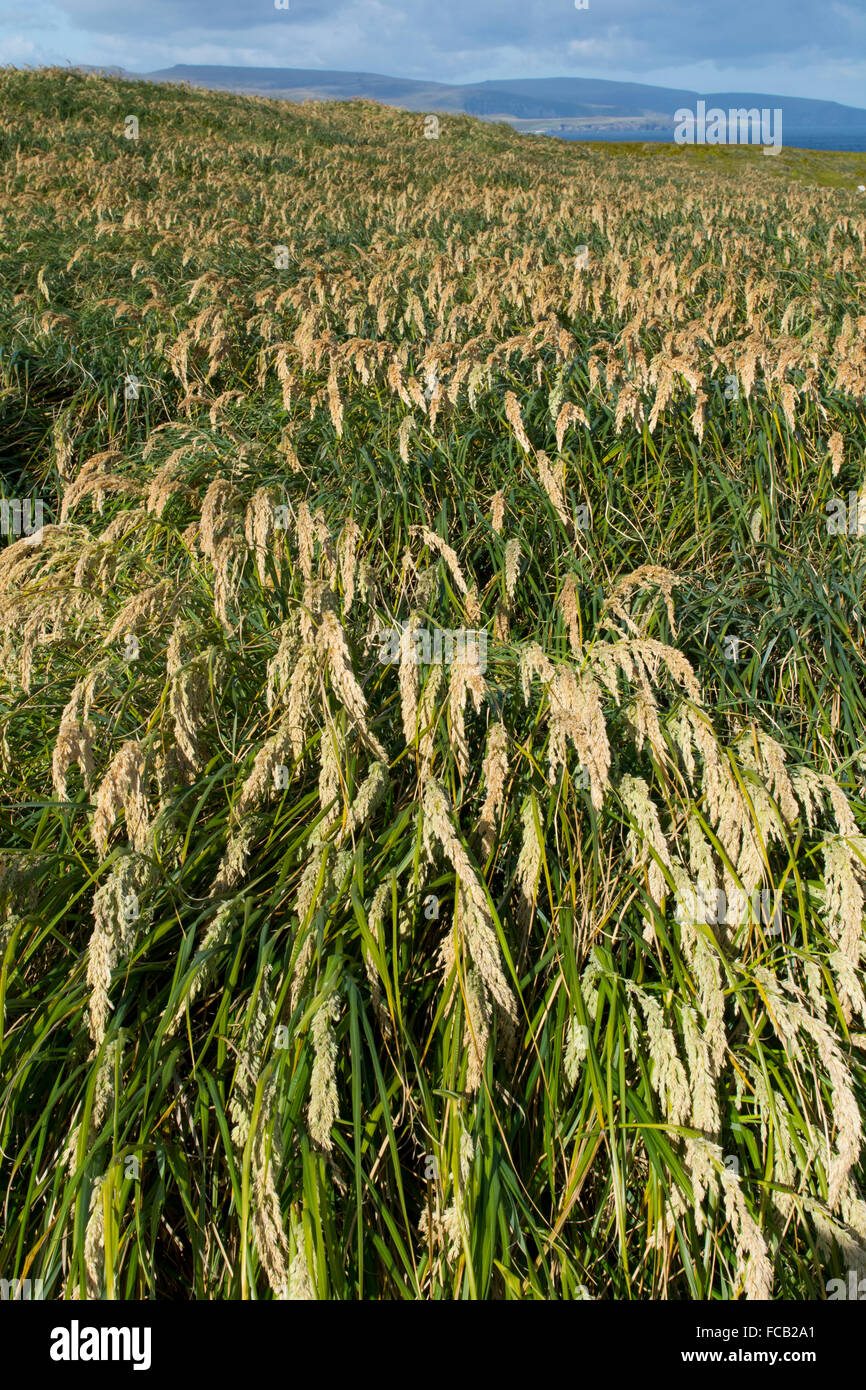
325	976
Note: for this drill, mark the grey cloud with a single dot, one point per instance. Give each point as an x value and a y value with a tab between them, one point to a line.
664	33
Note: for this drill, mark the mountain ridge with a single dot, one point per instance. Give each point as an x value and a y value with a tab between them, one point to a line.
533	98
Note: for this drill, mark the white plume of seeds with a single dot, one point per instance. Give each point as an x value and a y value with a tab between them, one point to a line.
655	655
259	526
534	662
512	566
306	540
335	402
218	511
776	1113
103	1099
331	749
323	1106
735	821
325	876
789	1015
477	924
282	663
494	773
477	1030
347	550
140	612
122	789
104	1090
408	574
702	954
576	714
833	1234
260	781
301	686
701	863
835	448
705	1113
406	427
188	696
846	1112
233	865
575	1050
680	730
327	548
590	984
844	903
648	845
228	560
164	483
302	1287
470	596
94	1243
376	923
848	986
842	812
408	679
809	790
609	660
643	716
74	744
266	1161
98	485
331	646
571	612
243	1093
772	759
515	420
528	862
568	415
668	1075
427	719
755	1269
117	909
216	936
643	577
314	877
553	482
466	1155
853	1211
367	798
466	678
781	1012
117	529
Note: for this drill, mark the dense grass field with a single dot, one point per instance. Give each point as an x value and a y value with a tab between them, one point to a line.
345	956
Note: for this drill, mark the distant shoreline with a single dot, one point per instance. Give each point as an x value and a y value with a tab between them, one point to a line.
569	108
842	142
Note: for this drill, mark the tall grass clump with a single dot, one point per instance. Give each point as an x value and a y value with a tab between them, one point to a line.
433	839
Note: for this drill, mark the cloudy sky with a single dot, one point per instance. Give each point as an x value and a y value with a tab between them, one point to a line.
808	48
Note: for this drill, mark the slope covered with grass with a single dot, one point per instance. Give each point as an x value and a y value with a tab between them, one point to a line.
326	974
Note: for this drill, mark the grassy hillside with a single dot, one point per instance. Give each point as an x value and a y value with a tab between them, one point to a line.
535	972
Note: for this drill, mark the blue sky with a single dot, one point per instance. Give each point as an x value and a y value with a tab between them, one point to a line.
807	48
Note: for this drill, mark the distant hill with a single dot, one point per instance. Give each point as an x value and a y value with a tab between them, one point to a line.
584	99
